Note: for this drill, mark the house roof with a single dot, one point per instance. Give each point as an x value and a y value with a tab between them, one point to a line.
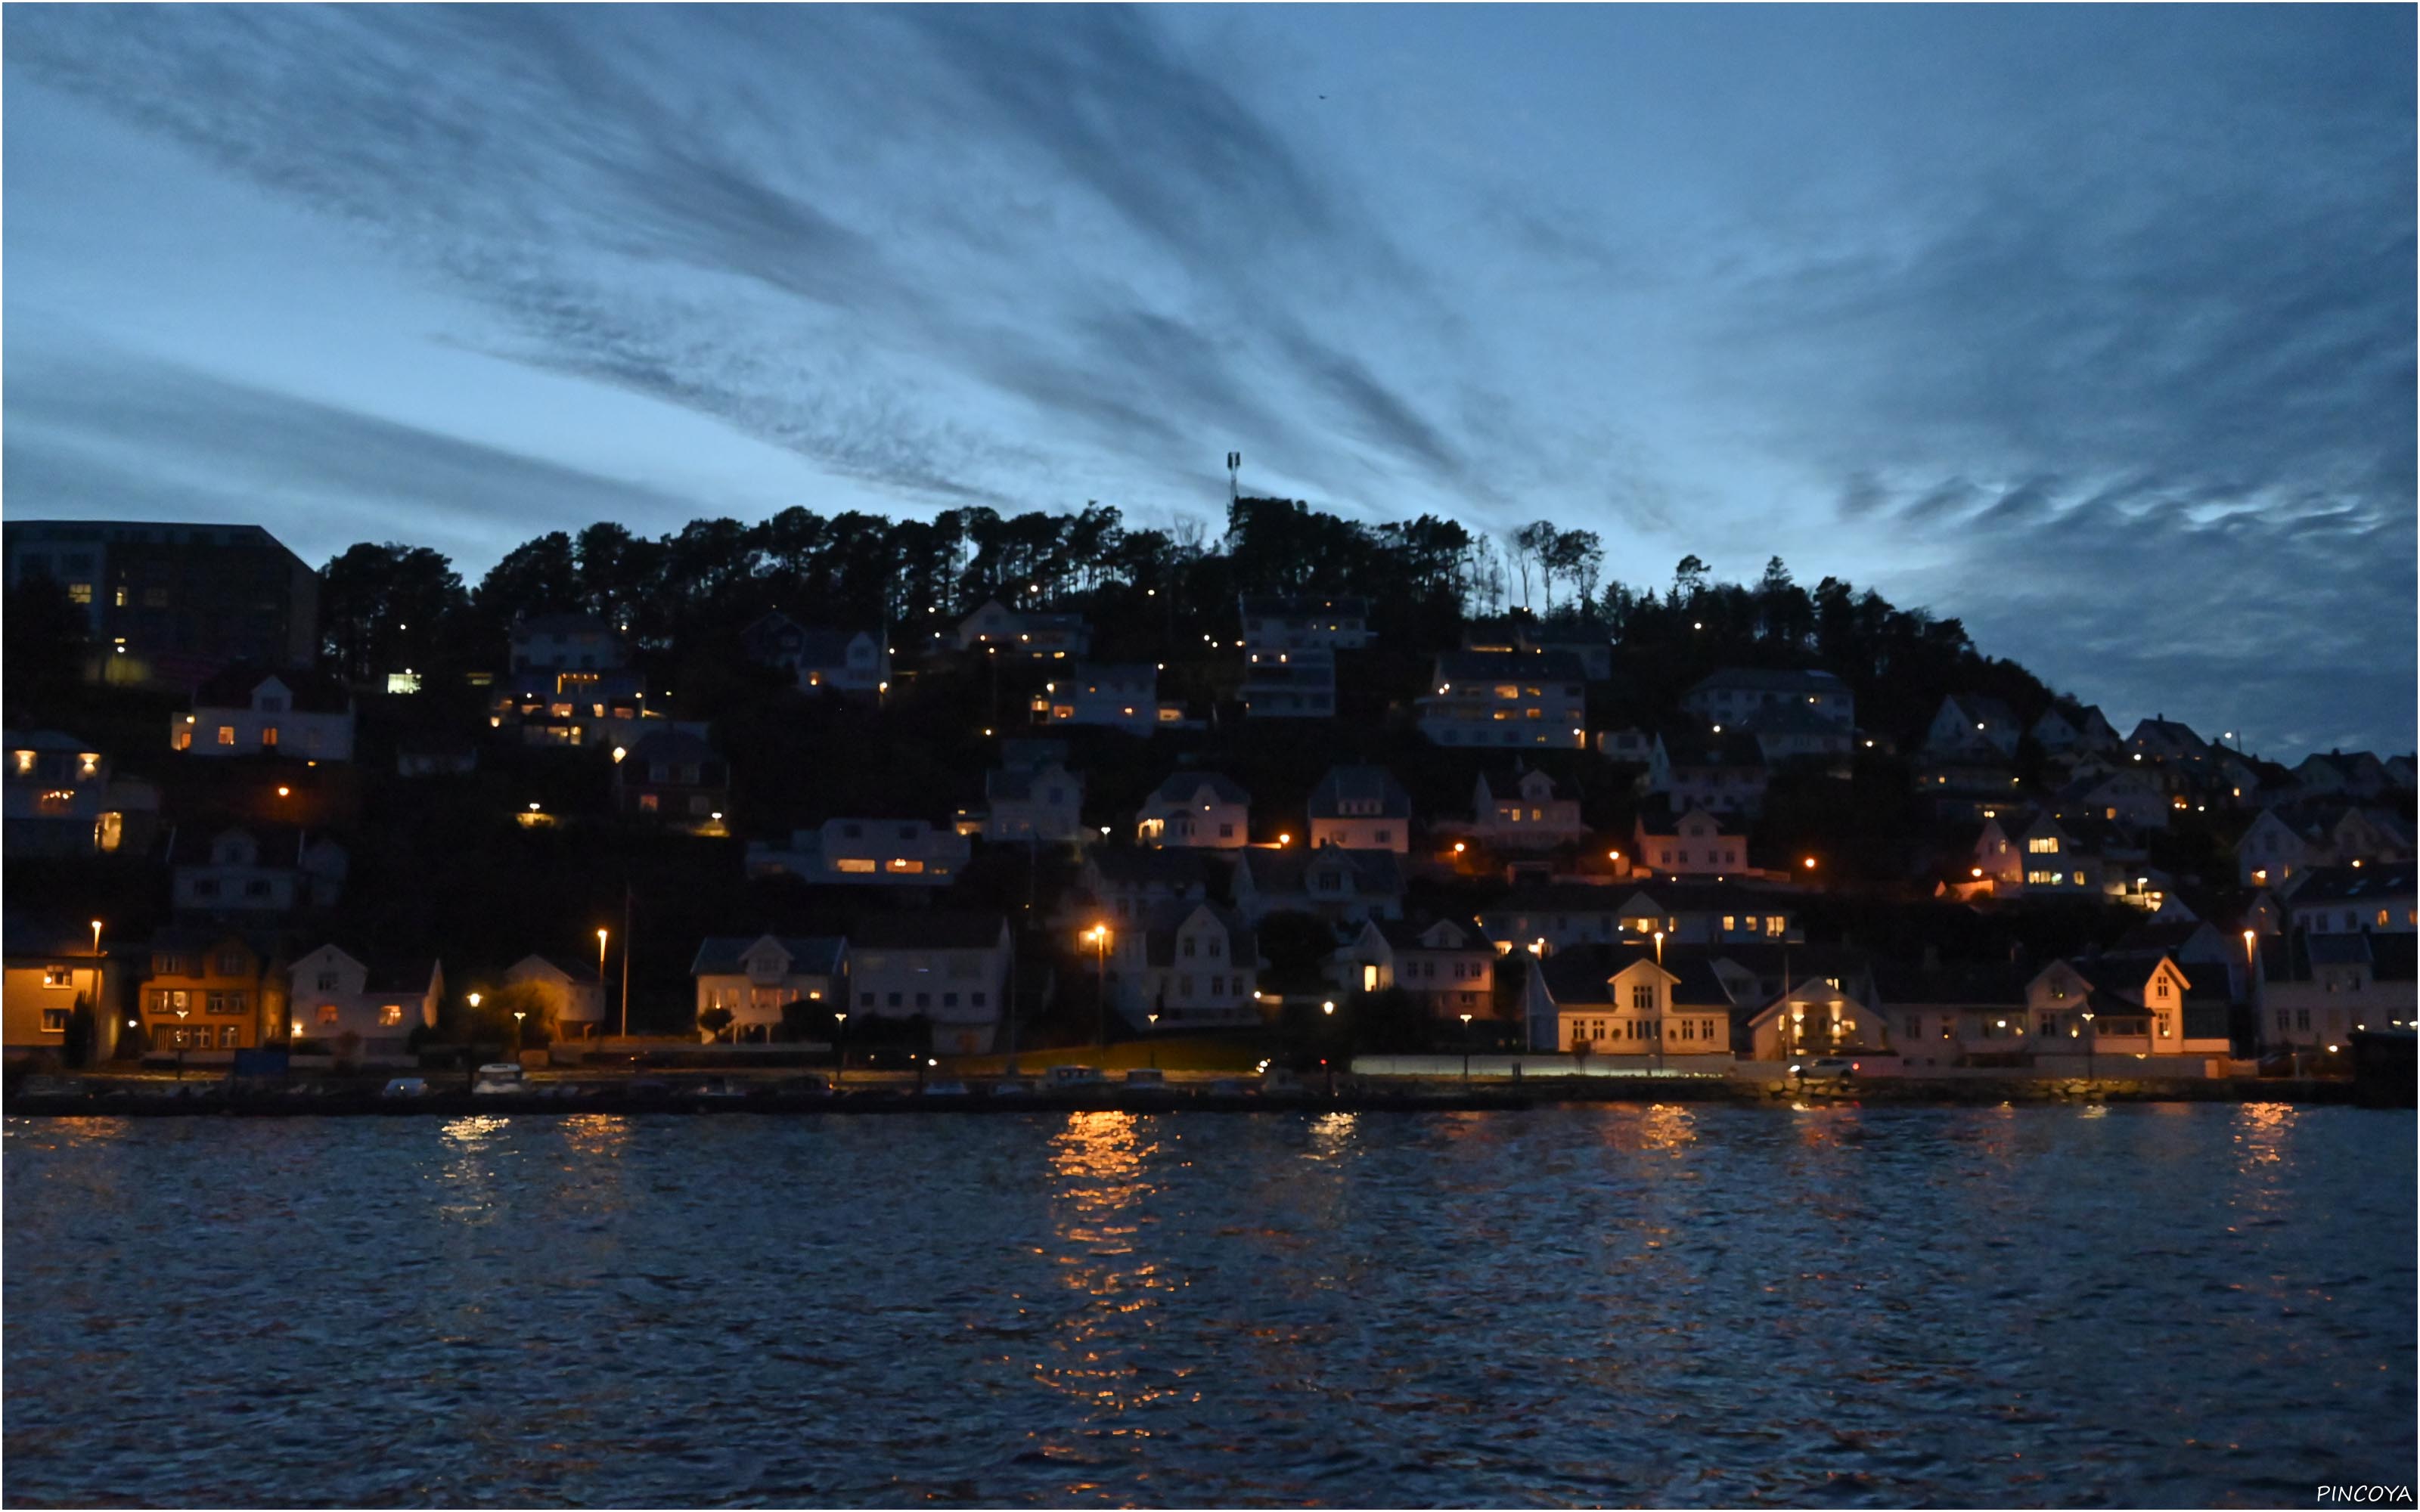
578	971
1285	870
1508	665
1162	921
1996	983
669	746
1305	606
1656	816
41	740
719	955
398	974
824	648
1768	680
2337	949
1136	866
310	692
933	930
1359	784
29	933
1182	786
2352	884
1505	781
1581	975
527	625
1790	719
1981	708
1401	934
1732	749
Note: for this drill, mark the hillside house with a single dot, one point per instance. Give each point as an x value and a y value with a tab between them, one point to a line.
1199	809
1362	808
753	980
1519	807
1506	697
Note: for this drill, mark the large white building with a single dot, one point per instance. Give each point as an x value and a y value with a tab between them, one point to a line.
246	711
1117	695
867	852
336	993
1196	808
754	980
950	969
1506	697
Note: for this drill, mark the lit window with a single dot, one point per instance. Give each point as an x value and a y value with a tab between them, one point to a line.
226	734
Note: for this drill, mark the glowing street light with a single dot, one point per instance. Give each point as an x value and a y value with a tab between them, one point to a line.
1466	1049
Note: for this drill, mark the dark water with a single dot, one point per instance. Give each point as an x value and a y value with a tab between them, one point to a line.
2150	1305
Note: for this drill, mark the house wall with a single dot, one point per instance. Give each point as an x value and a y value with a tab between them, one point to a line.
213	730
1360	833
960	991
1222	827
37	995
231	999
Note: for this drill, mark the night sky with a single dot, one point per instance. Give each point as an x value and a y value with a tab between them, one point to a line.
2094	327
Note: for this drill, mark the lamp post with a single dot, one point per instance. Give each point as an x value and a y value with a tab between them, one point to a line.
2091	1046
518	1015
180	1045
1466	1051
840	1061
1154	1018
1099	936
93	1048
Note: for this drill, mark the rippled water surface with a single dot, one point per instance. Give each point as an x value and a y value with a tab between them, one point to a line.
2165	1304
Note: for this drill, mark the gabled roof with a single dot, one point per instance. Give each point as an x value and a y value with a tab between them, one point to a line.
388	974
1182	786
43	740
309	692
720	955
1162	923
578	971
1656	816
1284	871
1401	935
933	930
1359	784
1984	709
1732	749
1015	784
1503	781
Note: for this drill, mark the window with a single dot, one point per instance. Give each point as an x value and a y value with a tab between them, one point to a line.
976	999
389	1014
948	999
268	734
855	864
328	1013
1226	832
58	975
55	1021
2046	845
80	593
865	1000
231	964
924	999
226	734
1186	949
894	1001
327	982
2160	988
1642	998
647	803
230	1037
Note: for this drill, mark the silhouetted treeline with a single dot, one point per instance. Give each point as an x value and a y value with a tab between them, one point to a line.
1149	592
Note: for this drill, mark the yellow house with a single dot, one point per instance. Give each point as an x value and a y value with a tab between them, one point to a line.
212	992
50	969
1619	1000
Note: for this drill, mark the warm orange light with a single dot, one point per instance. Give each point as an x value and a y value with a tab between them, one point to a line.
1285	839
1810	863
283	790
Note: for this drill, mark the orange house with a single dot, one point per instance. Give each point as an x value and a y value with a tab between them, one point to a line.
212	991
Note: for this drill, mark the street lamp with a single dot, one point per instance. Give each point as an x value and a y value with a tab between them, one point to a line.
1099	936
1465	1050
518	1015
1154	1018
840	1063
1659	947
180	1045
2091	1046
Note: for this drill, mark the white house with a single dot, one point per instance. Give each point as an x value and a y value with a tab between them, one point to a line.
1722	772
2127	797
1339	886
246	711
1594	654
1125	882
1199	810
2159	738
548	642
753	980
1506	697
1522	807
1967	719
573	994
1691	843
908	853
2351	899
1289	685
1362	808
1793	733
277	870
1558	916
952	969
61	800
851	662
336	993
1449	967
1116	695
1032	795
1736	695
1192	963
1036	636
1310	621
2271	852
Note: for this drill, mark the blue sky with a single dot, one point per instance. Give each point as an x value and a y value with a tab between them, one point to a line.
2093	327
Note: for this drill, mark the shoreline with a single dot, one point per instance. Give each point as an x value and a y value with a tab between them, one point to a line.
215	1101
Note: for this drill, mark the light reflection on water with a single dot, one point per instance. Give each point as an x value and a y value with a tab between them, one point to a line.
1670	1303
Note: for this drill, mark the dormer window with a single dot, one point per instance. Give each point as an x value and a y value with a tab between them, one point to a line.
270	703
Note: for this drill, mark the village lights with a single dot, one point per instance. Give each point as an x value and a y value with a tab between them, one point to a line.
473	999
283	790
1977	871
533	807
1457	847
1285	839
1810	863
1328	1007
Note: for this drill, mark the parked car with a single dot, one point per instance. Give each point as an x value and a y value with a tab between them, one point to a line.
406	1087
1828	1071
721	1087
